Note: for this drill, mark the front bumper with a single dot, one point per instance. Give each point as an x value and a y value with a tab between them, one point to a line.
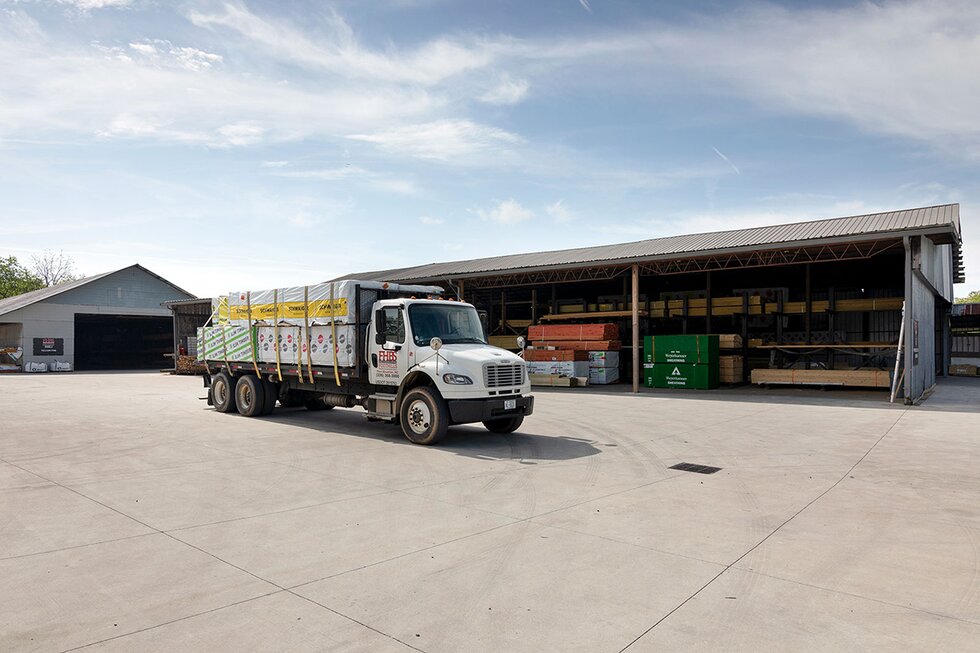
467	411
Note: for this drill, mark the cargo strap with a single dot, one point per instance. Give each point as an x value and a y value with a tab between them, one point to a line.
224	345
333	331
309	336
275	336
251	335
203	348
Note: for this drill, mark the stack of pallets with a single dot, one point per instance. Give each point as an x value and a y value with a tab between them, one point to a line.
587	353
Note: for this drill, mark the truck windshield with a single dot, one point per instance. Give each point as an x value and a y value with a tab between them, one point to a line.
453	324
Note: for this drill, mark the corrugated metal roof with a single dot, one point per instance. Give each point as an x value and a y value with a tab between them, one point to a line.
11	304
943	218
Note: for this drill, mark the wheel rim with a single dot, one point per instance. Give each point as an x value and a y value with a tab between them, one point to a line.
220	392
245	396
419	417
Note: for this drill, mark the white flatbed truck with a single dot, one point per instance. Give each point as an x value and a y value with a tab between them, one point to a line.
420	362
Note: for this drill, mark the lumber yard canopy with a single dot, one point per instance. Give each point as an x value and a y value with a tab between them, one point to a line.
835	239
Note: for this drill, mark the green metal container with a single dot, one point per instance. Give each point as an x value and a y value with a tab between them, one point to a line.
679	375
690	350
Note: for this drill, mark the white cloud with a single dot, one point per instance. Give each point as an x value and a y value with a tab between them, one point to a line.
275	164
432	221
164	53
507	91
507	212
89	5
337	50
559	212
240	133
442	140
326	174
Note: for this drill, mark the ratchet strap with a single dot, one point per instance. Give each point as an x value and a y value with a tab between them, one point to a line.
251	335
309	336
333	332
275	337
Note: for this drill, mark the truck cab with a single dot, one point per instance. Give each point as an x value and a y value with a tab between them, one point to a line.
433	367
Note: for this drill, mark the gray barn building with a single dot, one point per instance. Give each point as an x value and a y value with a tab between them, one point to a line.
108	321
824	294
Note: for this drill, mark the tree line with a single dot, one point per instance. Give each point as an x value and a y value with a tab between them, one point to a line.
47	269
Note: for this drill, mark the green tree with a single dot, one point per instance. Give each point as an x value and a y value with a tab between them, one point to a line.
15	279
971	298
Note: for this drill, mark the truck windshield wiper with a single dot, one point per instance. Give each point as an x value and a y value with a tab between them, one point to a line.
460	341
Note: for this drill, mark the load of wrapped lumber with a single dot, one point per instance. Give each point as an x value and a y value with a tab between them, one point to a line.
574	350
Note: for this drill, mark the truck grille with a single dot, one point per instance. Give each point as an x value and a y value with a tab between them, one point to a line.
502	376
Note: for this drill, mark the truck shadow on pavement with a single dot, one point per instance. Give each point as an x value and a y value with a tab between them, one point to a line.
465	440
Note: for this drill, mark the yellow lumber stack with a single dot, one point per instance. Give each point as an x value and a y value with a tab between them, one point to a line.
846	378
730	369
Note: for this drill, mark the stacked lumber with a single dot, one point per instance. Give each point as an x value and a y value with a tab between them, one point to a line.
963	370
504	342
681	361
188	365
841	305
845	378
581	351
699	307
730	369
729	341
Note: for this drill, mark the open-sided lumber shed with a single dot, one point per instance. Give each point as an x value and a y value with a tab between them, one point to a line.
824	294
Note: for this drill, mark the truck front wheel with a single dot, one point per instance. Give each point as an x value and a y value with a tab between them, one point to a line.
223	392
505	425
424	416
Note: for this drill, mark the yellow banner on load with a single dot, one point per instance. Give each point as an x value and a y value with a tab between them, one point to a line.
219	310
292	310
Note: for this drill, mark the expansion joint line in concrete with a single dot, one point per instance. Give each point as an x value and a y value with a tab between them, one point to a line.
278	587
773	532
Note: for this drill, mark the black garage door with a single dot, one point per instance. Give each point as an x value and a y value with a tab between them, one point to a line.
123	342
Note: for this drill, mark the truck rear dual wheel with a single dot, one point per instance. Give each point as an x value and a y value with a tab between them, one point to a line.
505	425
223	392
250	396
271	395
424	416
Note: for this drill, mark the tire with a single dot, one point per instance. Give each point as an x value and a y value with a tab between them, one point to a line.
250	396
223	393
424	416
504	425
271	395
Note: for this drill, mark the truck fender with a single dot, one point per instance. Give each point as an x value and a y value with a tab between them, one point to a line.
413	380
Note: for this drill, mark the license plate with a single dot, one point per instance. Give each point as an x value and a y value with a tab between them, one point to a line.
510	404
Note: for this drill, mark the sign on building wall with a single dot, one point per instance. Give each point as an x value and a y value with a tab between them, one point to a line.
915	342
49	346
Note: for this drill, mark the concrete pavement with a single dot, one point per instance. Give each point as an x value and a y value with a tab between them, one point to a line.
134	517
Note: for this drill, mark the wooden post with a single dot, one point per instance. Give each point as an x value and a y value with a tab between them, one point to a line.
707	312
503	311
636	327
534	305
809	306
462	286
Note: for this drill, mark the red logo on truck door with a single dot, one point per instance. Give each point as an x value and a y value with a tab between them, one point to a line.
387	356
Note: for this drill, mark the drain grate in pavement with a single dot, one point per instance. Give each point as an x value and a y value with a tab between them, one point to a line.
697	469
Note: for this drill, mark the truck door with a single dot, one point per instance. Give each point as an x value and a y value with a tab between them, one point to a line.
388	360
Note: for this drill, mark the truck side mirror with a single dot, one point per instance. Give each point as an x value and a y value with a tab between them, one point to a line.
380	326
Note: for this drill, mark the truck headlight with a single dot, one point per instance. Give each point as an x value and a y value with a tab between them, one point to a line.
457	379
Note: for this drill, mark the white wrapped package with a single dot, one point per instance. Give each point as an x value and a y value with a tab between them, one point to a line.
224	342
232	343
320	304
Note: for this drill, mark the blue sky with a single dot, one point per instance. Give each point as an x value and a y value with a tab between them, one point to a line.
229	145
